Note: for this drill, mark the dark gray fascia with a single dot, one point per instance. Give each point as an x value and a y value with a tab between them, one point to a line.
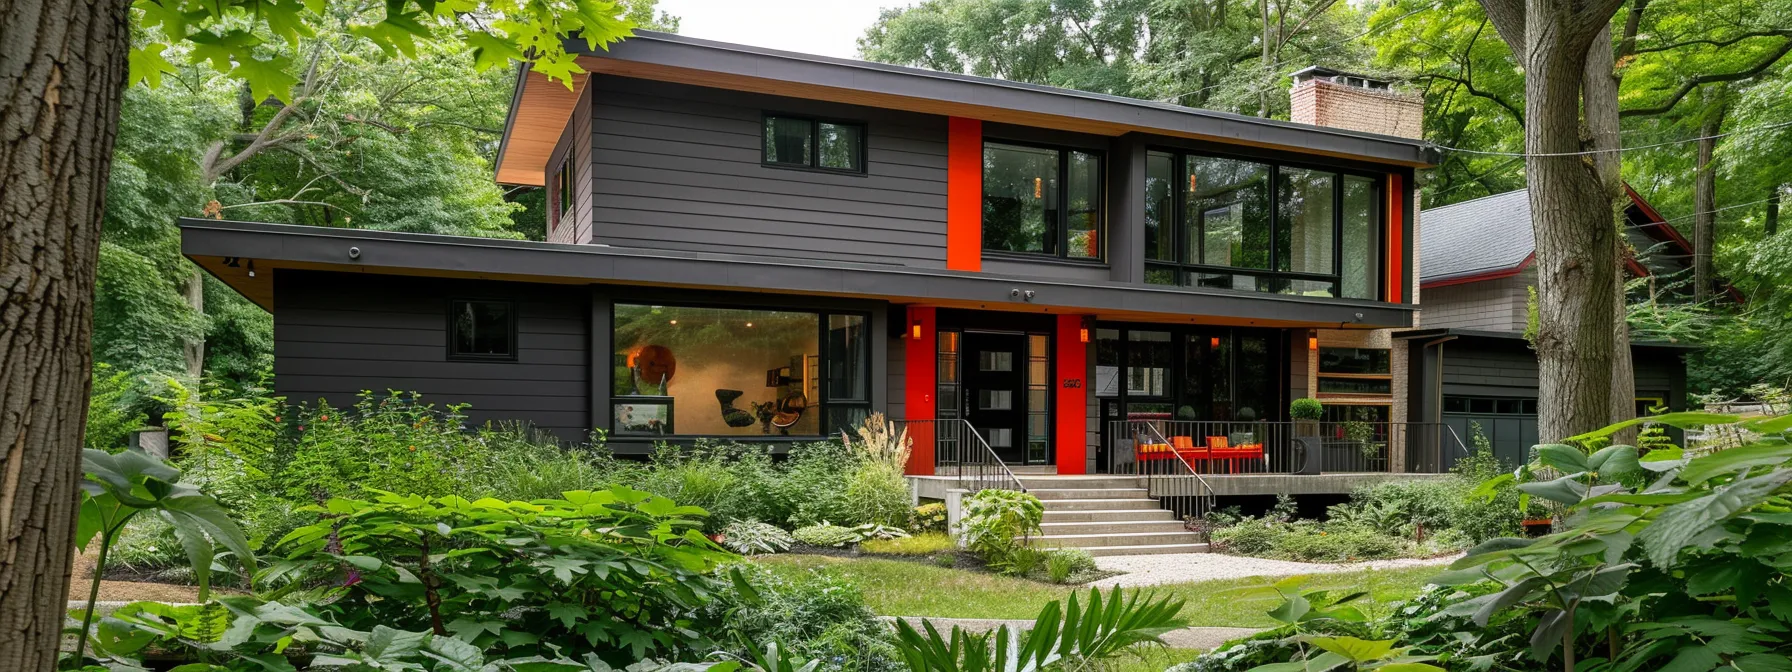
735	59
516	99
1411	334
384	251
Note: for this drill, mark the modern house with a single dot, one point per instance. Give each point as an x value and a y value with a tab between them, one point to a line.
1471	365
765	245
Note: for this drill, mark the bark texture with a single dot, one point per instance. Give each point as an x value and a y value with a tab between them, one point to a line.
1704	207
1599	100
62	74
1576	241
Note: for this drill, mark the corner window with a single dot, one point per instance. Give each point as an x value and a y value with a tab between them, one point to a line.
481	330
704	371
1252	226
1042	201
798	142
564	180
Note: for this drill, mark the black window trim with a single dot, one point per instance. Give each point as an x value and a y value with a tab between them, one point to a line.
812	163
1179	167
511	318
822	406
1063	232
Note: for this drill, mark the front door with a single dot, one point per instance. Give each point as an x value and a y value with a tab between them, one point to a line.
995	391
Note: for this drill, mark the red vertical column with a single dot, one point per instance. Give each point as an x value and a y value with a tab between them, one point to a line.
1396	239
964	194
920	384
1070	432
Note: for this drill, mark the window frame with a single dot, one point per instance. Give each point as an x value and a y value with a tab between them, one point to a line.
823	407
1061	228
1179	214
812	162
510	317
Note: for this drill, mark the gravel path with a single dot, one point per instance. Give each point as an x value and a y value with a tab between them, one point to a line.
1153	570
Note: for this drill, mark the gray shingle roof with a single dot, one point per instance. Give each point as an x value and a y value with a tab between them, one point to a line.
1485	235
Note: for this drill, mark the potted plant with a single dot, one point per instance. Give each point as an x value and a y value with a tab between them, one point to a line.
1306	413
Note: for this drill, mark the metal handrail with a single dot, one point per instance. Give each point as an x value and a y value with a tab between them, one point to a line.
1190	507
988	471
1156	434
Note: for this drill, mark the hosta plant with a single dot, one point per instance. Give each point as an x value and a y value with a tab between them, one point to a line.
826	535
751	537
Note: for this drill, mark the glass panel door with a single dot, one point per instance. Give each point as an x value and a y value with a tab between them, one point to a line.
994	379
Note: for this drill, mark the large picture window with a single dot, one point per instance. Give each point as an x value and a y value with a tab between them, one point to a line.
1042	201
707	371
1254	226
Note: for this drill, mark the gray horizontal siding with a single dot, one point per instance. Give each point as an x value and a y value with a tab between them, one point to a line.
679	167
338	334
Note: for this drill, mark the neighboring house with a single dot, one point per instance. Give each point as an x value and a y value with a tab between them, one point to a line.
1471	363
763	245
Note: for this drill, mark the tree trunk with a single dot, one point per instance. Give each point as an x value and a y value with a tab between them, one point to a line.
62	75
1704	206
1571	220
1773	209
194	348
1599	99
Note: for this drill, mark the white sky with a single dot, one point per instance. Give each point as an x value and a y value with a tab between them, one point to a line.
824	27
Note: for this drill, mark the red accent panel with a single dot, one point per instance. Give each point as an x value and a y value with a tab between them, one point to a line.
964	194
920	366
1396	239
1072	403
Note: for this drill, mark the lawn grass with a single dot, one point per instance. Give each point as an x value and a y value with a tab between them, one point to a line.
900	588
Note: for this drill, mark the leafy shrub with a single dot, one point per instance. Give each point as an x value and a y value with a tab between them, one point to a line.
928	518
1063	563
730	481
1307	541
1110	625
818	616
749	537
813	485
926	543
994	519
1306	409
825	534
452	566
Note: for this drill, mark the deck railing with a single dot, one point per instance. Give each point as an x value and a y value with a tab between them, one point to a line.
1298	447
960	451
1173	481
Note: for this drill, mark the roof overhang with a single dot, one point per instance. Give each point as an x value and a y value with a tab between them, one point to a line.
539	110
1480	276
1517	337
247	255
672	58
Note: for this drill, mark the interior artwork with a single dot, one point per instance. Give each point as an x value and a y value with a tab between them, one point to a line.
761	367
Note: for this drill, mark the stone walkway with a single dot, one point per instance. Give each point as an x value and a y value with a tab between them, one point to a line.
1155	570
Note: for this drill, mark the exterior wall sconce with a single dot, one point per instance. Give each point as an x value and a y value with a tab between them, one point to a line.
1214	343
1083	333
1313	341
914	331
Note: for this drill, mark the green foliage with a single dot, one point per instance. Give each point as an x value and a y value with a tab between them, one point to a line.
111	413
1068	634
925	543
1306	409
810	614
1064	564
751	537
996	522
618	573
825	535
118	487
929	517
1308	541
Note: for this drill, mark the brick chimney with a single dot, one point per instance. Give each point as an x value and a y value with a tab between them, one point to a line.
1327	97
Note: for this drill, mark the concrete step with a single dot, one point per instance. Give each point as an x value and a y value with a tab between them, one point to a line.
1129	503
1111	527
1099	515
1079	482
1049	494
1113	539
1149	549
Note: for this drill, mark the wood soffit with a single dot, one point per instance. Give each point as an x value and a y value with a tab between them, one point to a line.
540	113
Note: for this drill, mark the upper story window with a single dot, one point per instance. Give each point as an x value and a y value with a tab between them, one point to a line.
1042	201
1236	224
560	197
481	330
1355	371
799	142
